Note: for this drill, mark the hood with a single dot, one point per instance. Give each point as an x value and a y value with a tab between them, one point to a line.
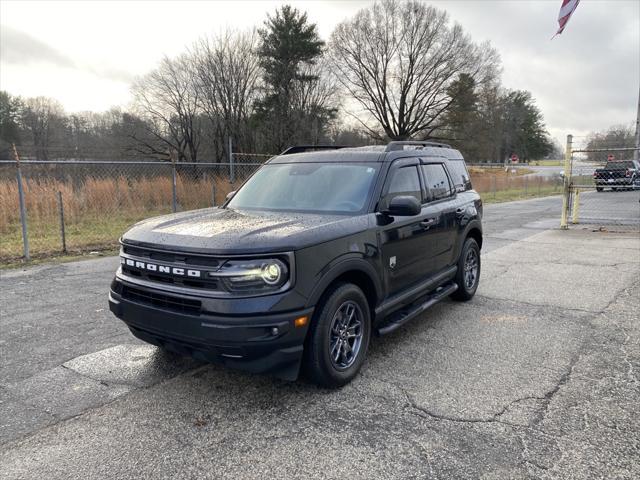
223	230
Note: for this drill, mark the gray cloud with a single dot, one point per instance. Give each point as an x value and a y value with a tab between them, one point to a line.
585	79
19	48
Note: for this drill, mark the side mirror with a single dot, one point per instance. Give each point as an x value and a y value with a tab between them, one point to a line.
403	206
230	195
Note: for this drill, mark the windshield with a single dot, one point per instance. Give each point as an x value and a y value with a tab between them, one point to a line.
308	187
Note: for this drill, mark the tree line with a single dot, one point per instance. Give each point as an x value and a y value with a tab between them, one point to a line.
615	137
395	70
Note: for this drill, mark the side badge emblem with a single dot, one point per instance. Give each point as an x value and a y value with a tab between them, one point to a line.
392	262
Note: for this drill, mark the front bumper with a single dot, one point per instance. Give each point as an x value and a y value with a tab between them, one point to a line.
257	343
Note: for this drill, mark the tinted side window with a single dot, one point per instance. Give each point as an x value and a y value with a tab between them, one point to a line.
459	174
405	181
437	181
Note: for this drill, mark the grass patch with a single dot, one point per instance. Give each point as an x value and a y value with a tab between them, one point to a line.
511	195
90	233
511	171
547	163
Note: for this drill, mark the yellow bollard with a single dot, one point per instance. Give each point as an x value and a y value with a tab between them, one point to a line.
576	205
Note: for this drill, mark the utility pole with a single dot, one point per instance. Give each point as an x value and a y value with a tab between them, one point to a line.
566	180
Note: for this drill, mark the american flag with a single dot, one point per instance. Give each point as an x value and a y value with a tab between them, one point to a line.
566	10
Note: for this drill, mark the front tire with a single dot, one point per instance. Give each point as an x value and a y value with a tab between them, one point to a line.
339	337
599	189
468	274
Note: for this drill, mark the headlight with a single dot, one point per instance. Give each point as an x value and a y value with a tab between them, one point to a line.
252	276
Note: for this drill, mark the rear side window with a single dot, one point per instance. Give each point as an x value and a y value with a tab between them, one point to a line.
459	174
437	180
404	181
618	165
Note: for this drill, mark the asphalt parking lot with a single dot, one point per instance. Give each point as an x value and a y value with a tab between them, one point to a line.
536	377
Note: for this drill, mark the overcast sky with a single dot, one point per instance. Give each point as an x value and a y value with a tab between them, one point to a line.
85	54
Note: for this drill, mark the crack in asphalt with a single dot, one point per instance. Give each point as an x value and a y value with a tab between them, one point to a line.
548	397
538	305
495	418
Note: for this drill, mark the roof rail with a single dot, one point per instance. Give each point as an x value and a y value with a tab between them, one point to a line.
400	144
311	148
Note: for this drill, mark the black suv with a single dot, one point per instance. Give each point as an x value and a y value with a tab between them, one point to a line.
318	250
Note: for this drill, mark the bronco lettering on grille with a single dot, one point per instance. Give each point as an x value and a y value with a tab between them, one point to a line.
151	267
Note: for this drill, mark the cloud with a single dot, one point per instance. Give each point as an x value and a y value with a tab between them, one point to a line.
585	79
22	49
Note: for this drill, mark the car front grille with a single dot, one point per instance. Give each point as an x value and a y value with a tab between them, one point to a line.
208	283
202	263
160	300
173	257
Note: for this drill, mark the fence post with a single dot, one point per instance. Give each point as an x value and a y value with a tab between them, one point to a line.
539	184
526	186
232	173
23	210
213	191
493	186
566	184
174	186
62	234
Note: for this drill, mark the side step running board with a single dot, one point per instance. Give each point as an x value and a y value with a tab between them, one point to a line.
402	317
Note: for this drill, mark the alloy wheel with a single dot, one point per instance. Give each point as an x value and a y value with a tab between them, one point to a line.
346	335
471	269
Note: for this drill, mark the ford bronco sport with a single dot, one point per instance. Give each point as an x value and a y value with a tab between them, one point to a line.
319	250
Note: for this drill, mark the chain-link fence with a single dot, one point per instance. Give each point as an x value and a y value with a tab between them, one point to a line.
602	187
80	206
502	184
85	205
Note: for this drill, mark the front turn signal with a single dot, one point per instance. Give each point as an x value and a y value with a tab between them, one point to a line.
300	321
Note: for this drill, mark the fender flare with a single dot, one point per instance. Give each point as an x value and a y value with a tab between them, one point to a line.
474	224
339	266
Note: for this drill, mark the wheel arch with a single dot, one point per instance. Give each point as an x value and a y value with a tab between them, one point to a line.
476	233
355	271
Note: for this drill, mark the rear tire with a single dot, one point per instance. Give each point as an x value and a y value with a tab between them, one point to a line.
599	189
339	337
468	274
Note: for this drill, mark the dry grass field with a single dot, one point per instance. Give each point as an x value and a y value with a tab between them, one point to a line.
98	210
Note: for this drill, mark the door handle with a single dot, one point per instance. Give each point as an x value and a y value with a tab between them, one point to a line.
426	224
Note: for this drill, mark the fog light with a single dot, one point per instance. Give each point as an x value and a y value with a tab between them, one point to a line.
275	331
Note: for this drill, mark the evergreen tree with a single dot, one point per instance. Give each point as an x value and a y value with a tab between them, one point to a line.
288	44
9	127
524	129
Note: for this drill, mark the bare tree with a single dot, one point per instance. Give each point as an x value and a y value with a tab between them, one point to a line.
226	75
42	118
315	102
616	136
397	60
169	100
